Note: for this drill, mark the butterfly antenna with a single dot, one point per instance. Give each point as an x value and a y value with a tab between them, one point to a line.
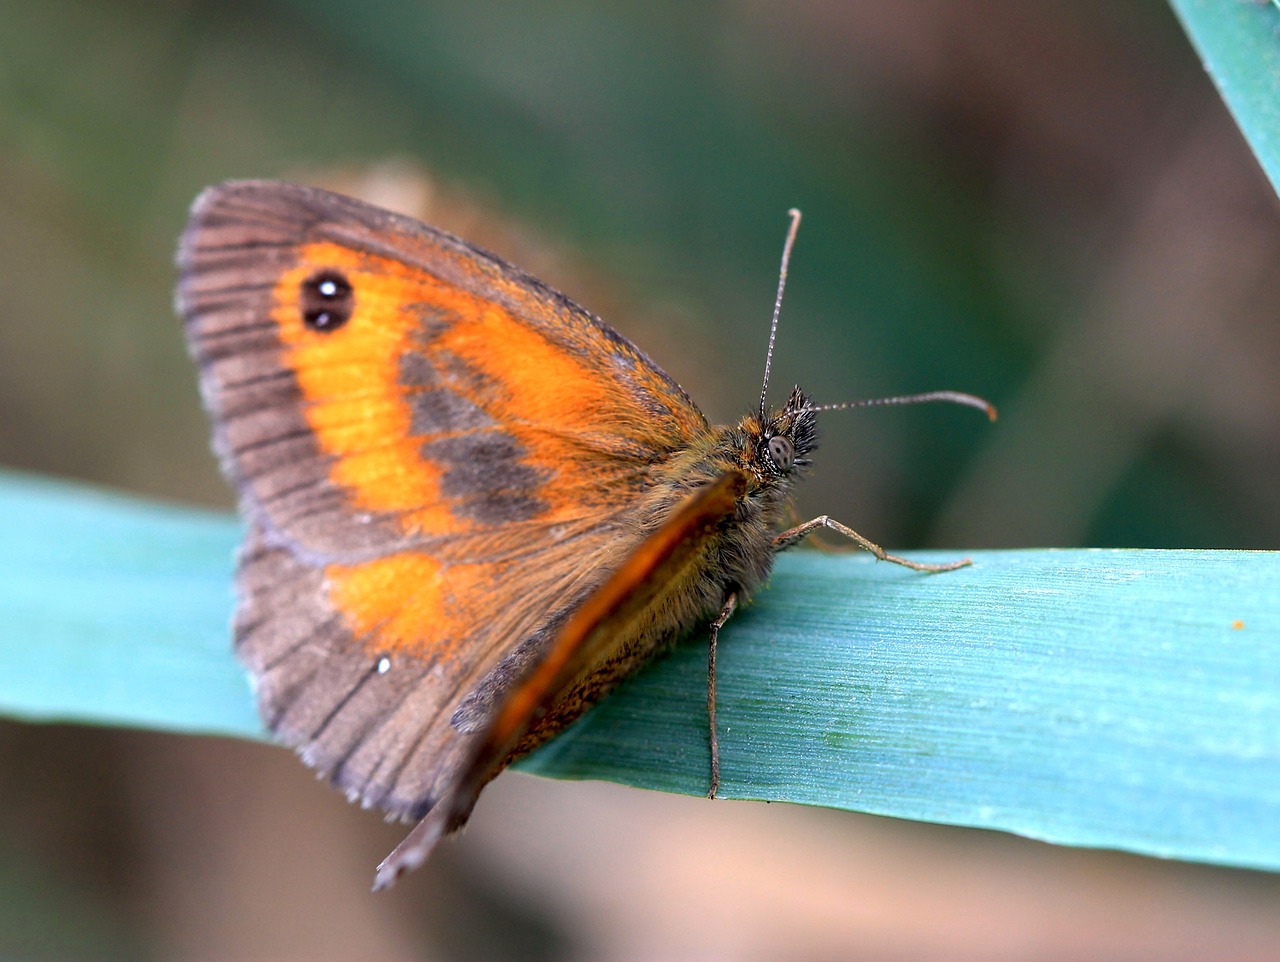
949	397
777	304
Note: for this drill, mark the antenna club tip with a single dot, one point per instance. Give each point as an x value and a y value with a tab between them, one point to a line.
794	213
992	414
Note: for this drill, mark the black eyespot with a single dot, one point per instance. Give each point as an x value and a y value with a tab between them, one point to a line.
782	452
327	301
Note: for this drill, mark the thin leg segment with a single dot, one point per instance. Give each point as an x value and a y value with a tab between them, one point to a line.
730	604
802	531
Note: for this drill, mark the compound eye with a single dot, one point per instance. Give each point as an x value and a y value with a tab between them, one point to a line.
782	452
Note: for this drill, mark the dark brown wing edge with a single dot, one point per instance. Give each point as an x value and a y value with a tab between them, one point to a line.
580	643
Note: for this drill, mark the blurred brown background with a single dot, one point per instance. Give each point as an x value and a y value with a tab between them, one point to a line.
1043	203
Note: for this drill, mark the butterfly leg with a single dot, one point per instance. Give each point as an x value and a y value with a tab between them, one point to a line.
802	531
726	612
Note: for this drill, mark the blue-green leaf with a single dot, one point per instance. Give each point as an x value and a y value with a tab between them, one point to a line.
1124	699
1239	43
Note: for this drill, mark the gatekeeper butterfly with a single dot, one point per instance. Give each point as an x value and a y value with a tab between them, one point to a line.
472	506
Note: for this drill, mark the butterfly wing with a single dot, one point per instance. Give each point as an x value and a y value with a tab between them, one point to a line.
670	555
436	455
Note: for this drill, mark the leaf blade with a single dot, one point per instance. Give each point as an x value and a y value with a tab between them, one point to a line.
1239	45
1100	698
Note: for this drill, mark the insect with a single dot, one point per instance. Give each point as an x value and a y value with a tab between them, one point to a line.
472	506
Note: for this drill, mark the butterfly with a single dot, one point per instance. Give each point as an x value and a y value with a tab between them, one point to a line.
472	507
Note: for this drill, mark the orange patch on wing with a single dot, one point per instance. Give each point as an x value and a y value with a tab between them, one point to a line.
393	603
537	376
543	394
549	398
412	603
350	378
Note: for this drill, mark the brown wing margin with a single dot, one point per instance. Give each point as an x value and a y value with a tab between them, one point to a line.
579	644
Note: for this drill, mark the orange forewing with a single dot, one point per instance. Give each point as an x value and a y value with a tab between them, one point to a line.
431	486
552	402
582	412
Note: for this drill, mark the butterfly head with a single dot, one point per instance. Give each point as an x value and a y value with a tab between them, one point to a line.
789	435
778	445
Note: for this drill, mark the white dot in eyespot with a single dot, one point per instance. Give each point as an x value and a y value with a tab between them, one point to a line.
384	665
327	288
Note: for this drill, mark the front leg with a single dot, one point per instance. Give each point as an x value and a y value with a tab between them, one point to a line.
802	531
730	603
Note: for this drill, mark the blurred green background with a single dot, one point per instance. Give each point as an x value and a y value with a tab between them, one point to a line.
1042	203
